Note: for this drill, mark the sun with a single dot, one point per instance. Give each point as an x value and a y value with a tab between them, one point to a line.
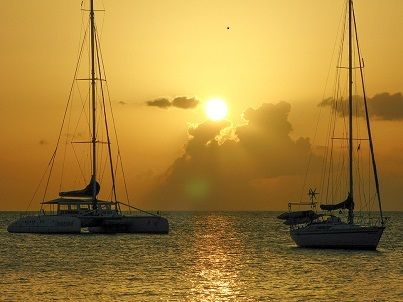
216	109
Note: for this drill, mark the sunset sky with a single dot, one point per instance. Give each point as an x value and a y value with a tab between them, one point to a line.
269	60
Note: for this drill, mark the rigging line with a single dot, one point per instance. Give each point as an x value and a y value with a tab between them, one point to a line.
332	154
68	127
100	136
78	163
103	21
105	119
88	94
371	146
119	159
330	163
343	14
359	179
333	105
103	158
84	103
320	109
37	188
102	162
114	128
115	171
365	182
330	146
65	147
79	92
341	175
327	150
337	158
51	162
369	182
81	33
140	210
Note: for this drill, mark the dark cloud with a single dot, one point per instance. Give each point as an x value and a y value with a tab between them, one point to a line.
383	106
387	106
122	103
185	102
228	174
43	142
161	103
178	102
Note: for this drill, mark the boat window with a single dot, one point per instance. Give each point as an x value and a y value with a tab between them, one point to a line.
73	207
67	208
62	208
85	207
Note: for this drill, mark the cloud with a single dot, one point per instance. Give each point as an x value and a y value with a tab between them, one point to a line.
387	106
122	103
234	173
43	142
161	103
382	106
178	102
185	102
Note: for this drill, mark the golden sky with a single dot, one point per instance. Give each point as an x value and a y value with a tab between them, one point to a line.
271	56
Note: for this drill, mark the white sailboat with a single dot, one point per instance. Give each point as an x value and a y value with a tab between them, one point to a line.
330	228
74	210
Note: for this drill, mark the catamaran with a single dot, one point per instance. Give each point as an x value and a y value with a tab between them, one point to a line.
76	210
338	226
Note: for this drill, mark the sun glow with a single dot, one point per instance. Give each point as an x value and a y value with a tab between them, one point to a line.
216	109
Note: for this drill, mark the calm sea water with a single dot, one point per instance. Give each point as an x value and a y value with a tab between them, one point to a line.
208	256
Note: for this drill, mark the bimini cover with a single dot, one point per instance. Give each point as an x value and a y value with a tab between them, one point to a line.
347	204
86	192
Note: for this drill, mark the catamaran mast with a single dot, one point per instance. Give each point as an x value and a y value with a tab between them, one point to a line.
350	116
93	107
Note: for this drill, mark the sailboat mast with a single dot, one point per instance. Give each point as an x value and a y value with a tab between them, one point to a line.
93	105
350	106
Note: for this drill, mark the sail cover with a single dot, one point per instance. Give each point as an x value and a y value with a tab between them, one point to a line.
86	192
347	204
298	217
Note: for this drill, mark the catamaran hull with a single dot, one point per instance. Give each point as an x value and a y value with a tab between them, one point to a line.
135	224
366	238
43	224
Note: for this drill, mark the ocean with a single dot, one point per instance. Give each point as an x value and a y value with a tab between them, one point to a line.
207	256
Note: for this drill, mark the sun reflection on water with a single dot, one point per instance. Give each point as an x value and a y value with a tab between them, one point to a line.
216	270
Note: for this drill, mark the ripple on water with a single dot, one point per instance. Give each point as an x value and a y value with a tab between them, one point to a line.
218	256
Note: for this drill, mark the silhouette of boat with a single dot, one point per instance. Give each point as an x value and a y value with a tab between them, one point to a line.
329	229
77	209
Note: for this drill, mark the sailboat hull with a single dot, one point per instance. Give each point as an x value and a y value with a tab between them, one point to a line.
341	236
133	224
43	224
